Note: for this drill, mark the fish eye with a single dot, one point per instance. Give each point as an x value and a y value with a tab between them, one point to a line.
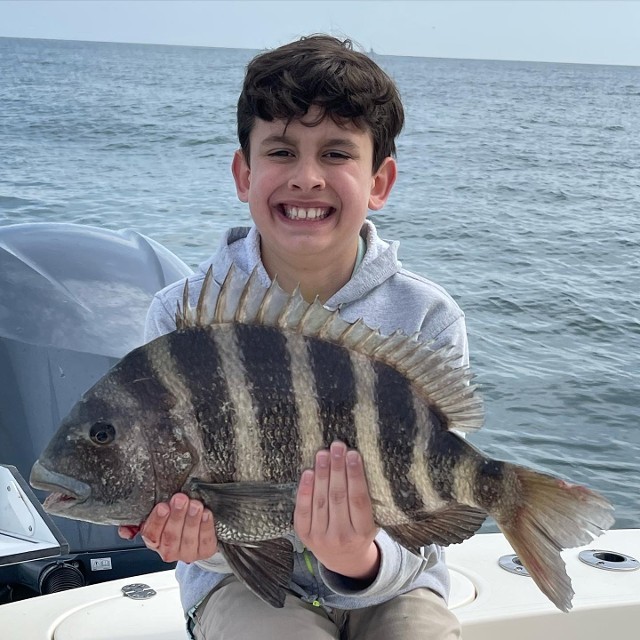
102	433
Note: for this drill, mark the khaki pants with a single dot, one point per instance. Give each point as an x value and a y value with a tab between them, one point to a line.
232	612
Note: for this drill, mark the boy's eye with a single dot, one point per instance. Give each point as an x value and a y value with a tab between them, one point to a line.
337	155
280	153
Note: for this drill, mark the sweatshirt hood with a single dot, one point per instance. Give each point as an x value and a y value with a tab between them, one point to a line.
241	246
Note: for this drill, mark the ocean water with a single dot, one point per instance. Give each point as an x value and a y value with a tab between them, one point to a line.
519	191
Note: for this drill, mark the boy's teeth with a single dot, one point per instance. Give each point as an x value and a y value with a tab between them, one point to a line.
312	213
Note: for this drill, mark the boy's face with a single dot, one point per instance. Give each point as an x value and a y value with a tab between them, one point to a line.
309	189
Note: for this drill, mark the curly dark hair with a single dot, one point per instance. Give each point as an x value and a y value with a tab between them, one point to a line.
324	71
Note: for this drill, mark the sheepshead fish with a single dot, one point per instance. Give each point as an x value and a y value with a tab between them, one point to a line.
232	406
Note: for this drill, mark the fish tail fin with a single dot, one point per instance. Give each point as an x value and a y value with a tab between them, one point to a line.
551	515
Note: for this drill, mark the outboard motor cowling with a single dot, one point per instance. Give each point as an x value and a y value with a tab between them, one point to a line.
73	301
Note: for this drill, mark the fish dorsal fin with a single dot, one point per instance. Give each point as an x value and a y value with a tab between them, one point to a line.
433	373
185	316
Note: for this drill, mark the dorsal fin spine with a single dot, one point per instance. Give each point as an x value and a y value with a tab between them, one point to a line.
324	333
362	344
352	328
383	346
304	321
222	296
186	307
266	301
293	302
178	317
205	294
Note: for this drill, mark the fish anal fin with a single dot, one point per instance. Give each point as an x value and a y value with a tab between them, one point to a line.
449	525
264	568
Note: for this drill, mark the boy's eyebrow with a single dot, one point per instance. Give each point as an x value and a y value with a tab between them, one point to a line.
341	142
285	139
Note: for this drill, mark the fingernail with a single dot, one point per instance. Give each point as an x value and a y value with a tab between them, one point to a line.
180	502
163	510
193	510
149	543
352	458
322	459
337	450
206	516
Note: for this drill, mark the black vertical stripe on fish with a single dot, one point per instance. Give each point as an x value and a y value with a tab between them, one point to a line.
137	381
336	389
135	376
444	451
268	369
196	360
398	428
489	483
368	444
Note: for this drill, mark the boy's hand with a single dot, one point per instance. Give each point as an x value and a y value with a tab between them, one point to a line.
333	515
181	529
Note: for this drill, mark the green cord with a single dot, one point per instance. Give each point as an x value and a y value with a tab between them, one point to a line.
307	561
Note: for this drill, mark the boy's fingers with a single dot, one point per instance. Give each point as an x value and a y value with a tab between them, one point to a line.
303	512
359	499
129	531
168	543
152	528
338	497
320	516
208	539
190	538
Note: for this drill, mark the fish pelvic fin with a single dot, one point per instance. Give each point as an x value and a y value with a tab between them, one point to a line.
449	525
434	374
235	504
265	568
551	515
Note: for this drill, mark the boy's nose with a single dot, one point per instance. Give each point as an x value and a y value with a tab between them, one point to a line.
307	176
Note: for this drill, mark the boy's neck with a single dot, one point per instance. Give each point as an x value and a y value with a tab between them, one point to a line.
315	276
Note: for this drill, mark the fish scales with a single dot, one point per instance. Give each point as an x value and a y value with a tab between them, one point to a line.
152	379
264	353
444	453
306	399
420	473
246	431
234	404
398	428
336	390
381	487
196	363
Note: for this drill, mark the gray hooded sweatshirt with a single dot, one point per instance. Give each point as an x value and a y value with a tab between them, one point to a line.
387	297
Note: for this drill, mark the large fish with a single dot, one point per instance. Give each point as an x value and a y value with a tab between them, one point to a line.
232	406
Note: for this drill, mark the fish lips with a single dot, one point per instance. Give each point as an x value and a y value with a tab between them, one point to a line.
66	491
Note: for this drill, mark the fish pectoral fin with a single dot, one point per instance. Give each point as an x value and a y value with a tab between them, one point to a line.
450	525
265	567
235	503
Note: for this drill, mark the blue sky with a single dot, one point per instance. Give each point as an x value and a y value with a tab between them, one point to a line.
600	32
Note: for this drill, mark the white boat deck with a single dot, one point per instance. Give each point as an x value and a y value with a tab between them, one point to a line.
490	602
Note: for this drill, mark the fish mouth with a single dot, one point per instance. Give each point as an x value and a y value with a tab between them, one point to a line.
66	492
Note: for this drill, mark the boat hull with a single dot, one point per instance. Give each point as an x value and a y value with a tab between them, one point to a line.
490	602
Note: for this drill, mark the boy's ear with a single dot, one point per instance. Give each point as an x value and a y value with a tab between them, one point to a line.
383	181
241	175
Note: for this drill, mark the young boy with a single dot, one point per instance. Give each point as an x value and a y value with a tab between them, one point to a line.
317	124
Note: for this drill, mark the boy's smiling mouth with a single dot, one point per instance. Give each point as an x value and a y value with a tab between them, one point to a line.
305	213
